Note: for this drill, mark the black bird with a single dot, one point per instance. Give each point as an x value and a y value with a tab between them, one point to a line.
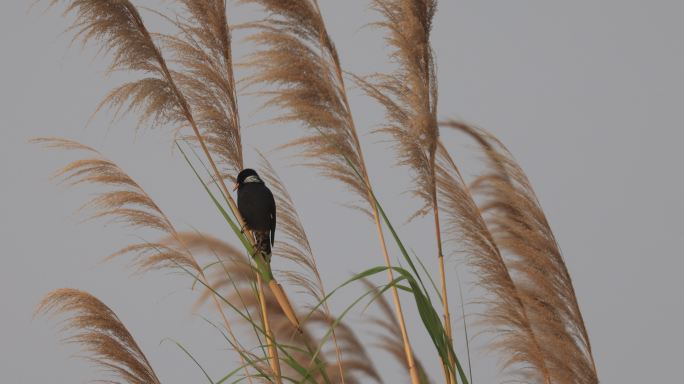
257	207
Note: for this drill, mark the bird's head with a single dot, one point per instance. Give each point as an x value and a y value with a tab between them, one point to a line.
245	176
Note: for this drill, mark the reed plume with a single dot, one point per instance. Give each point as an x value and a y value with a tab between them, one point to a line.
129	204
157	98
298	58
126	203
119	29
203	50
520	229
506	315
105	340
409	96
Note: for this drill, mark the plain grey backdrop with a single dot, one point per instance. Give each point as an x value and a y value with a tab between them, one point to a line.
588	95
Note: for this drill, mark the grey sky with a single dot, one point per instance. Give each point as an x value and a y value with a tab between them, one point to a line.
587	95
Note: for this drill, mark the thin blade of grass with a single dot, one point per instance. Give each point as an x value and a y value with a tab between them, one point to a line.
192	357
465	328
432	281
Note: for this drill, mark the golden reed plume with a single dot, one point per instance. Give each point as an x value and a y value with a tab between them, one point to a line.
297	56
506	314
105	340
126	203
130	205
119	29
549	332
203	50
409	94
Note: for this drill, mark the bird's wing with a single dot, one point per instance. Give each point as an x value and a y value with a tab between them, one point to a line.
272	218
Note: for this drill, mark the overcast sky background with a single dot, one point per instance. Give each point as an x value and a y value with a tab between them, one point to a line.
587	95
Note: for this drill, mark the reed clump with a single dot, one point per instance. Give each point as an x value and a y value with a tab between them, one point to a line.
184	80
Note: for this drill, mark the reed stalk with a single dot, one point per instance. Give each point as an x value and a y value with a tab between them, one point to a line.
408	352
450	376
294	40
409	95
273	351
410	361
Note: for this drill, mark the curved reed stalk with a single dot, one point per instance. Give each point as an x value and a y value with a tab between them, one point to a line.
409	96
105	340
520	229
297	248
298	57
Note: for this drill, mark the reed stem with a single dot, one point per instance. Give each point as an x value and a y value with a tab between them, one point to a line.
450	374
413	372
273	352
410	361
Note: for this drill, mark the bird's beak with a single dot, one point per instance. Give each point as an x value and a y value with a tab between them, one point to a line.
235	186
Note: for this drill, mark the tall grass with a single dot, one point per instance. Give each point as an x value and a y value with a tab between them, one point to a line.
186	82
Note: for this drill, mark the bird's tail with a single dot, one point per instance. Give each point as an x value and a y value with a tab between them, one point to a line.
263	243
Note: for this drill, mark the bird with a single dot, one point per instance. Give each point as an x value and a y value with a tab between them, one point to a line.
258	209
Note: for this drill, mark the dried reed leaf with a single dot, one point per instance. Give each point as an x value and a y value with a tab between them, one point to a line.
105	340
